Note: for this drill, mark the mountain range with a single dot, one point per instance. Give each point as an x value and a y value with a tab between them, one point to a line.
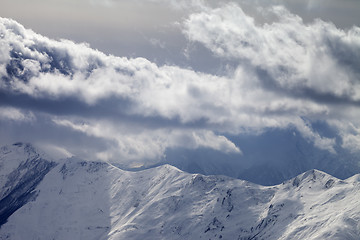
71	198
268	159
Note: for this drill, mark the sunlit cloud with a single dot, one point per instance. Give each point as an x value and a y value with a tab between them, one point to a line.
285	74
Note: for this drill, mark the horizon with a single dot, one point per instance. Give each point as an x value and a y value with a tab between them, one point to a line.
234	88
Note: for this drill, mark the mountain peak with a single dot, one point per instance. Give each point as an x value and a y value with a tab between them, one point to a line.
314	177
354	179
21	148
169	167
95	200
314	174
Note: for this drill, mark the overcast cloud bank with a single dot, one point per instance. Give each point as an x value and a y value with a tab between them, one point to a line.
288	74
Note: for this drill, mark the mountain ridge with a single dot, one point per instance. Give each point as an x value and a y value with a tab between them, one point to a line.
80	199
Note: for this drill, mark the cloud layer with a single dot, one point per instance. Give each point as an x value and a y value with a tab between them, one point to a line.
314	60
285	74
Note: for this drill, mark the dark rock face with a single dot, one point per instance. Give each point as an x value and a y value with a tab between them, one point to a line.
21	183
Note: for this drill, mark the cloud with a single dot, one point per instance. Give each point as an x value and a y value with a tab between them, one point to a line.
349	133
304	127
287	74
287	54
55	152
134	143
157	43
315	63
14	114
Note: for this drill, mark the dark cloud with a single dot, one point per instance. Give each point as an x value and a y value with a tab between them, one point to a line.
270	83
281	75
112	108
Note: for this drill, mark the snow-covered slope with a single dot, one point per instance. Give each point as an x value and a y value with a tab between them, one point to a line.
94	200
21	169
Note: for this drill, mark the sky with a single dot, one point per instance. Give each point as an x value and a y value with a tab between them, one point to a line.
127	81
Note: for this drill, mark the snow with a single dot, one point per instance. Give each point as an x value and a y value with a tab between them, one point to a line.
79	199
10	159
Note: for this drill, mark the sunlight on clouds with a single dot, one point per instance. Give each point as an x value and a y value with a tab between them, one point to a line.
349	133
351	142
146	143
321	142
14	114
311	56
56	152
283	73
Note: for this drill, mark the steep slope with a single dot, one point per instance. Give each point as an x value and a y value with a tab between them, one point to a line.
21	170
94	200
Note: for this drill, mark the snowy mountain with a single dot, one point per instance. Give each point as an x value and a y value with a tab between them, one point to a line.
268	159
21	169
77	199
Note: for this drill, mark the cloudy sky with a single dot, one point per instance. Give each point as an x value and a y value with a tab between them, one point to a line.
125	81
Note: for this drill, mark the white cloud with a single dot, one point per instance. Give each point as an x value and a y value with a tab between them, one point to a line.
284	68
157	43
134	144
14	114
294	55
321	142
351	142
349	133
56	152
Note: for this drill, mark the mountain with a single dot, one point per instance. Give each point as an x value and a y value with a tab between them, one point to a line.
77	199
269	158
22	168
